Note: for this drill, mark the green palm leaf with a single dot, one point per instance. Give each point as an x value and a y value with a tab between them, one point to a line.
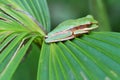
38	9
13	58
18	15
93	57
18	29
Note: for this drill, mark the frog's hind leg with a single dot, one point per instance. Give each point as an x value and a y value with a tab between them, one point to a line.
62	39
67	38
78	32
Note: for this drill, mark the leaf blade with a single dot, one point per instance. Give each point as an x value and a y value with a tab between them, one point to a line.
15	60
39	10
78	58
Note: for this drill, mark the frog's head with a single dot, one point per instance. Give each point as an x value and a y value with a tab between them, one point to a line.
93	23
86	20
89	18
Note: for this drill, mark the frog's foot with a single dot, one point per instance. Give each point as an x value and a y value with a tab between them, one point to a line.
46	37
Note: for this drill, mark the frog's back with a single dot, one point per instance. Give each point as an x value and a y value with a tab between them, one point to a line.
68	24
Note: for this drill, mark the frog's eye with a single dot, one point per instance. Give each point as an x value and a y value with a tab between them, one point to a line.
89	16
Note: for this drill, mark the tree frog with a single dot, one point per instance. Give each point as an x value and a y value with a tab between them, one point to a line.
70	29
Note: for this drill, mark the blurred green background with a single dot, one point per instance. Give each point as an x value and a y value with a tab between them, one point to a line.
61	10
